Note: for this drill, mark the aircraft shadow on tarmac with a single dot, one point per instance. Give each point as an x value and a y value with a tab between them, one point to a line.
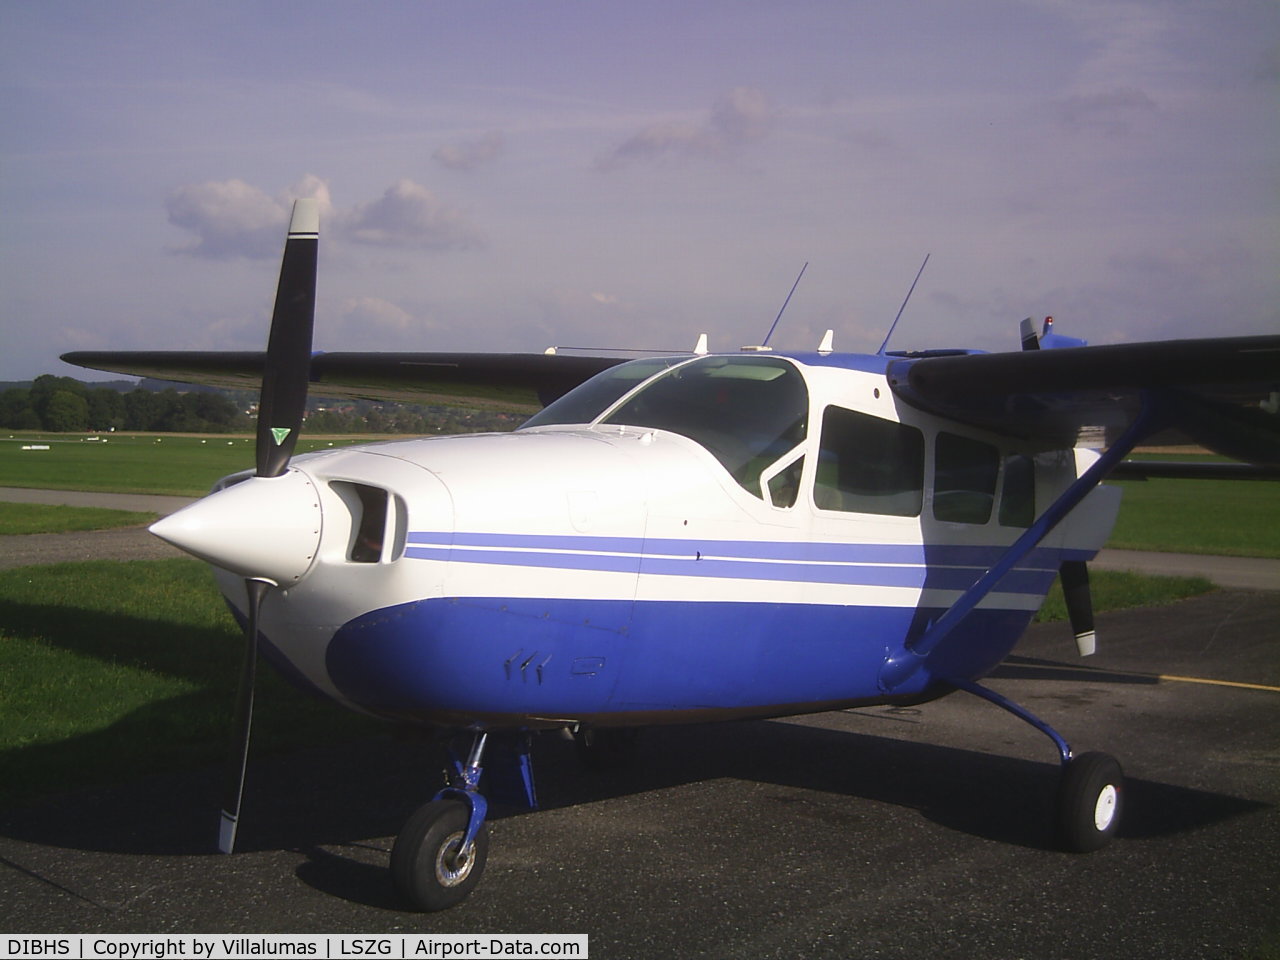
343	795
1017	667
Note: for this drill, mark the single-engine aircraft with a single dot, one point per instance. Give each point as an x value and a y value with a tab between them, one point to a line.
682	538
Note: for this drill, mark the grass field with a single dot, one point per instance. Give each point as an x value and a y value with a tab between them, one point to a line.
174	464
1225	517
109	671
24	518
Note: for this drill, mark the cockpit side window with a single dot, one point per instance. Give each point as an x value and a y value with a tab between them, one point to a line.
587	401
748	412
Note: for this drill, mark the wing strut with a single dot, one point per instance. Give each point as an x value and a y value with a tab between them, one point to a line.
906	662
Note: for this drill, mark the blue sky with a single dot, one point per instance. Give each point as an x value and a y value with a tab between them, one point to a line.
507	176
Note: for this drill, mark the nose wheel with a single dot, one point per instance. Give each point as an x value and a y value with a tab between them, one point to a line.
432	866
439	856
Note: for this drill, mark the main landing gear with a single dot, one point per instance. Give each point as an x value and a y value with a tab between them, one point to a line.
1090	791
1089	802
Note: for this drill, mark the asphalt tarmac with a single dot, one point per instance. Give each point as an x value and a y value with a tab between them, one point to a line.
881	832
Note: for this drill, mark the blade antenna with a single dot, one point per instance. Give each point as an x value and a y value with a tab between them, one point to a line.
880	352
784	304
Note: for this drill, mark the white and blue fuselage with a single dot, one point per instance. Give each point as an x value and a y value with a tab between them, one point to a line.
680	539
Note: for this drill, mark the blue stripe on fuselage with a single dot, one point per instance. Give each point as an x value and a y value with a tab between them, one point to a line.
941	567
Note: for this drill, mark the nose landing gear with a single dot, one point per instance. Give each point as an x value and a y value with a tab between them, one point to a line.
440	854
432	865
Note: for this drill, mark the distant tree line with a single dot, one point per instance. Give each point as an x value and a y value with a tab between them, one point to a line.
362	416
67	405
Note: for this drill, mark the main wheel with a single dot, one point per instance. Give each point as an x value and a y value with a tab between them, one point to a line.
428	865
1090	799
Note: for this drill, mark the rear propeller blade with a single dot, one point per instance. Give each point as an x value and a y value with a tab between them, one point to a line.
234	792
288	365
1079	599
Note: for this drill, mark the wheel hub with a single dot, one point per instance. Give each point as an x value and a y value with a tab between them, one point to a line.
453	864
1104	810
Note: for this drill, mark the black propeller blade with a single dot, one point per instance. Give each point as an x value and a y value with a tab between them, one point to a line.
288	364
1079	600
234	789
280	409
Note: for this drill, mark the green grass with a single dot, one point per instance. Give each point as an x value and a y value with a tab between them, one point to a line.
24	518
109	671
133	463
1120	590
1223	517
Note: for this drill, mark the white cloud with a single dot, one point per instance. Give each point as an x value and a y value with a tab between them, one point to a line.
375	314
410	215
312	187
742	115
365	322
229	218
1112	112
232	218
470	154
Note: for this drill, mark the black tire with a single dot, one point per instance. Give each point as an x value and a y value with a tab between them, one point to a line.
1090	802
425	867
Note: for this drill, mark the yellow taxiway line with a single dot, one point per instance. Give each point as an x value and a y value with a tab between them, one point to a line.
1219	683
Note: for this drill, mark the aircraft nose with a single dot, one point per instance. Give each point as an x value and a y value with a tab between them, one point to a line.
265	528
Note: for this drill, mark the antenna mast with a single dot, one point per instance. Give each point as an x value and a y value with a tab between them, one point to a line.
880	352
784	305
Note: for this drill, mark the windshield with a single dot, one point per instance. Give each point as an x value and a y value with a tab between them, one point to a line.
746	411
587	401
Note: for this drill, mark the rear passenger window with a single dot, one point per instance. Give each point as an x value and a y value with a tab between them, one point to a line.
1018	498
964	479
869	465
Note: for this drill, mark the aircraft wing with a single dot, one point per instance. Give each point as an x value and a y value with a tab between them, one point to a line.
1224	393
512	381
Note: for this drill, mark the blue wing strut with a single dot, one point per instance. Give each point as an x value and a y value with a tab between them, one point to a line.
904	663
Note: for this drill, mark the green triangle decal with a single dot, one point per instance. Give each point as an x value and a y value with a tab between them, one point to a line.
280	433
